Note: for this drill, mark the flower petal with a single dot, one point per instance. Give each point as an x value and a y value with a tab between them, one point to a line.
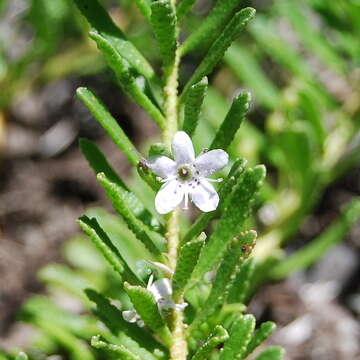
161	288
130	316
182	148
162	166
169	197
211	161
204	196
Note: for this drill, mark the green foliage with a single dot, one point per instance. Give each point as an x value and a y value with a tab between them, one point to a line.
188	257
218	48
303	127
232	122
125	78
215	339
238	250
163	20
211	28
92	228
151	239
271	353
259	336
21	356
110	125
192	107
145	304
240	336
232	219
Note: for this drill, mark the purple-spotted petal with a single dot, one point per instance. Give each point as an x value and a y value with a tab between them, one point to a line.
204	196
182	148
211	161
169	197
162	166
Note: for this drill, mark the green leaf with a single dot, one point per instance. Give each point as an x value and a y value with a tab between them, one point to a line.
119	350
21	356
260	335
217	50
193	103
163	20
187	259
99	163
271	353
214	340
237	208
183	7
125	78
144	7
100	20
246	67
309	254
240	335
203	220
240	287
232	122
110	125
129	335
148	176
151	239
100	239
210	28
159	149
238	250
146	306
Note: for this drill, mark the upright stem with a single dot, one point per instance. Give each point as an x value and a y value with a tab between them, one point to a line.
178	349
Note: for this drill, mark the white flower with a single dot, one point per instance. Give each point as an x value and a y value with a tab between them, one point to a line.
187	176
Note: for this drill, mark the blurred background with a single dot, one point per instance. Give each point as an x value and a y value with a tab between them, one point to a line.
301	61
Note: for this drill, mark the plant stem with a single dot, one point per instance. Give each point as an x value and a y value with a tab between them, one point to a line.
178	348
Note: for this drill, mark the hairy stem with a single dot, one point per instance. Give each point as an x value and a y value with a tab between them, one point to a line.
178	349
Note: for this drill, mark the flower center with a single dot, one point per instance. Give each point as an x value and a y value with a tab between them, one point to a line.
184	172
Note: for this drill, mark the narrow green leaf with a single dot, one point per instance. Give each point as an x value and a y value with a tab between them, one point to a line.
130	335
148	176
146	306
144	7
225	189
125	79
237	208
163	20
271	353
188	257
63	277
306	256
100	20
183	7
240	287
214	340
99	163
260	335
100	239
238	250
109	124
247	69
217	50
21	356
240	335
151	239
232	122
193	103
118	350
211	27
159	149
